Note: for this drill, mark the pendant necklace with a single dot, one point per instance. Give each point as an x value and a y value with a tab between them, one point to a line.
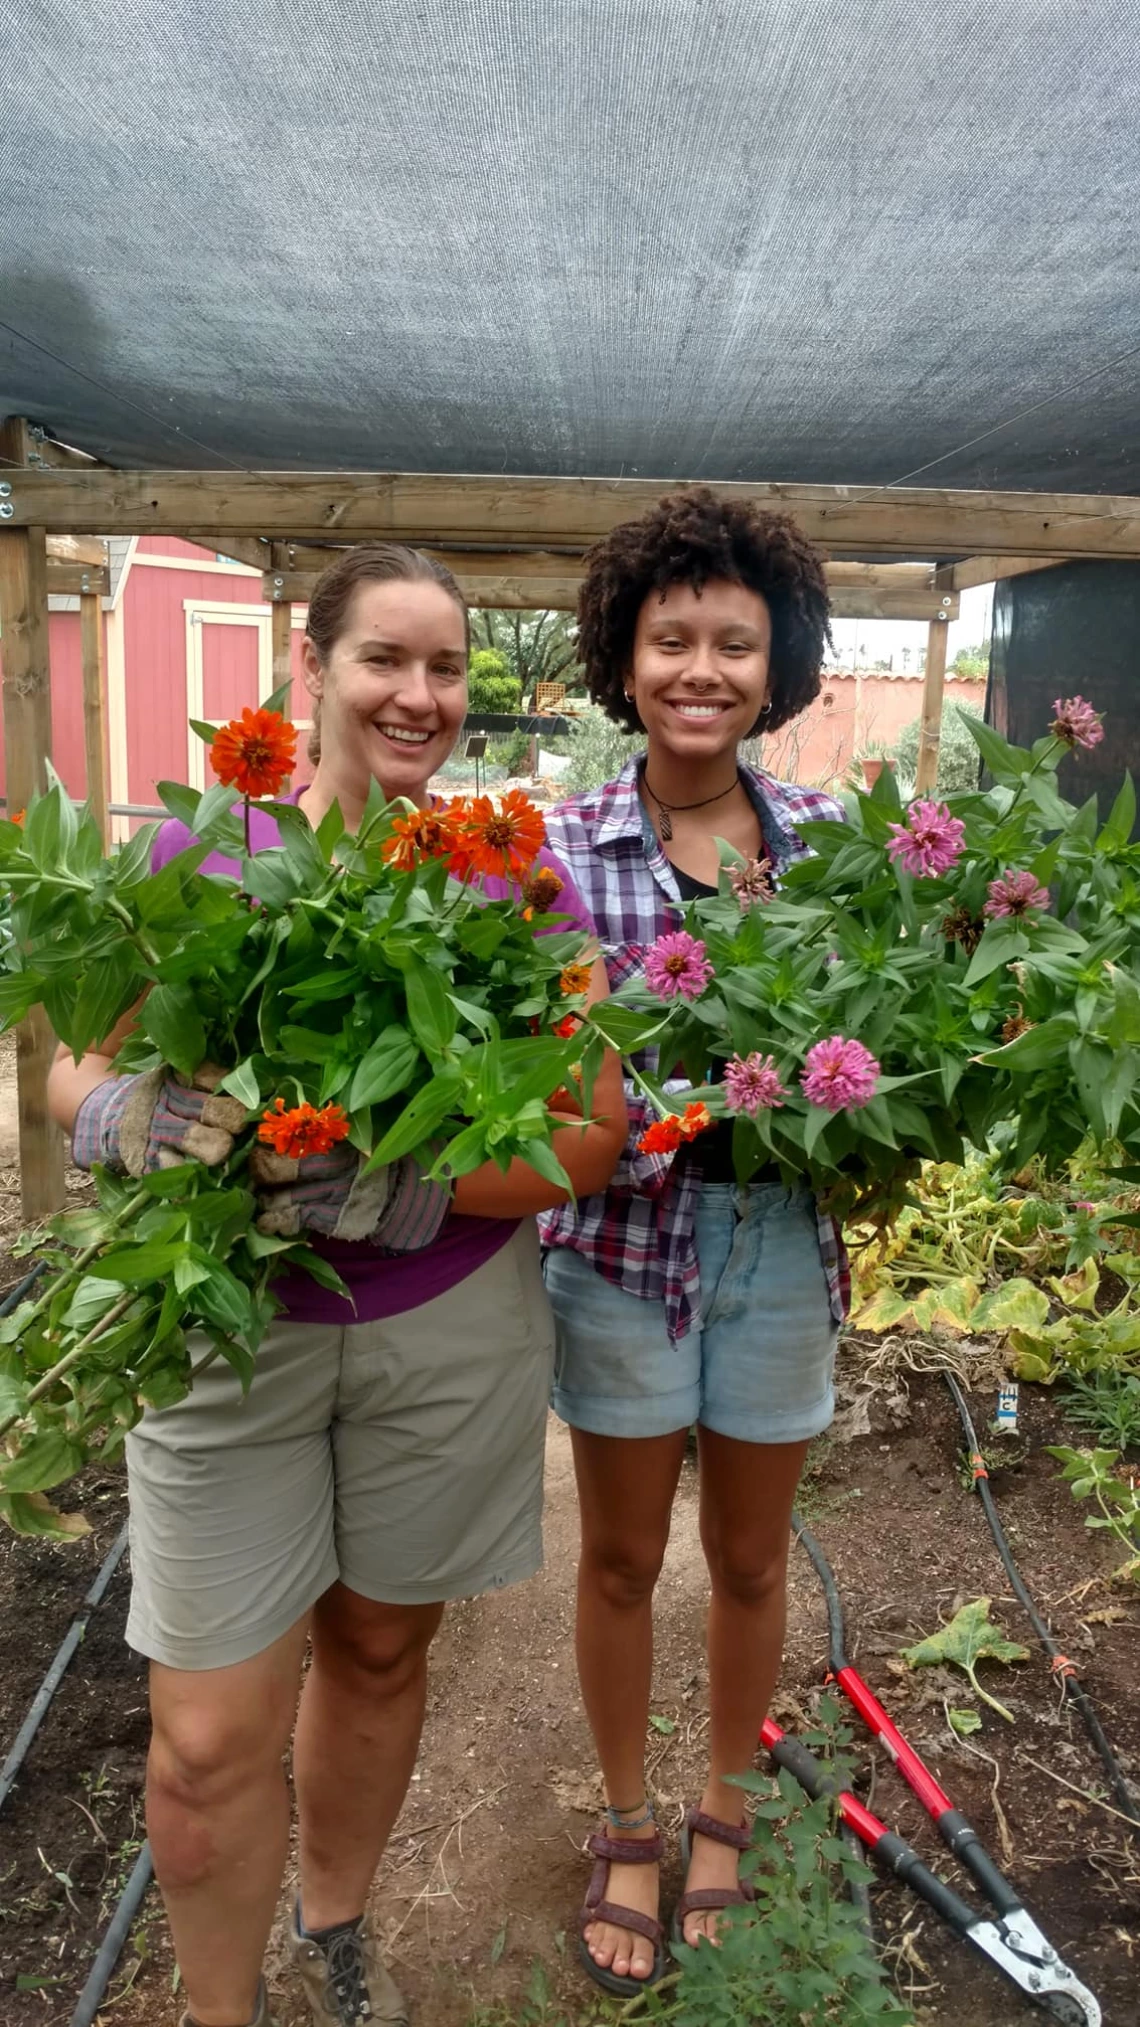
667	811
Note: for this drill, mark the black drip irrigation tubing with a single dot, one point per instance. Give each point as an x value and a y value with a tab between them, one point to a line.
836	1660
1061	1665
118	1929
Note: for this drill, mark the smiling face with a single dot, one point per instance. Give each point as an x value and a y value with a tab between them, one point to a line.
393	689
699	676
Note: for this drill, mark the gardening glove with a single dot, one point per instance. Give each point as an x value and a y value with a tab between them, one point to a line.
156	1120
394	1207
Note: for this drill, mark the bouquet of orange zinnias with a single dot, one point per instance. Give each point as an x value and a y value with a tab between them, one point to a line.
357	986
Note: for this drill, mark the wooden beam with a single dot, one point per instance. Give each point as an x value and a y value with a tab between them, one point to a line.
82	549
445	511
871	604
930	728
27	749
991	569
240	549
94	659
71	580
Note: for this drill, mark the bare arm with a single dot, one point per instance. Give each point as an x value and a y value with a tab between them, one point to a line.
69	1082
589	1154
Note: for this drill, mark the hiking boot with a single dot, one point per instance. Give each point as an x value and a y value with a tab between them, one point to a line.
345	1979
262	2018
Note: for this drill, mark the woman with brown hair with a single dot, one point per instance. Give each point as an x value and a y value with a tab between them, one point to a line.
389	1453
679	1297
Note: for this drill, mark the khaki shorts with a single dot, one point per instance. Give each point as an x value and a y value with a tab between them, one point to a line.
403	1457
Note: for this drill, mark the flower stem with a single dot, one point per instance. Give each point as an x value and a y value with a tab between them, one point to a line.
122	915
84	1259
72	1358
245	819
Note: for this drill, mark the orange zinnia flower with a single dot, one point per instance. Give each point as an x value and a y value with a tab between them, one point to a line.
255	753
17	817
567	1026
665	1135
504	841
426	834
302	1130
541	891
574	978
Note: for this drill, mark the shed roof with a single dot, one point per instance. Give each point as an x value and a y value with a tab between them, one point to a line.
784	240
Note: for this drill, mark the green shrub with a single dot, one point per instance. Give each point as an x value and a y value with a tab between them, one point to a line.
490	684
957	753
599	749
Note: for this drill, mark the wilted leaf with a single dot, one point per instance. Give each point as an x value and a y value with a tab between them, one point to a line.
969	1637
1017	1305
1078	1290
964	1722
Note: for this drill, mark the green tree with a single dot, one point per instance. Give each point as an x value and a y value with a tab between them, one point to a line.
957	753
973	662
491	683
539	647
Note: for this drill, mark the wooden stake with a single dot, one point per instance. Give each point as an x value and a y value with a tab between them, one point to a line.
930	732
282	637
27	748
94	694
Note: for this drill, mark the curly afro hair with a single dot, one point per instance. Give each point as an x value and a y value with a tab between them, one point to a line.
689	538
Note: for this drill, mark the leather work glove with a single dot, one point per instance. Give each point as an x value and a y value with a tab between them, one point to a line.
156	1120
325	1194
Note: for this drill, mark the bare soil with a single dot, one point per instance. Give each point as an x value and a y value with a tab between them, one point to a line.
506	1788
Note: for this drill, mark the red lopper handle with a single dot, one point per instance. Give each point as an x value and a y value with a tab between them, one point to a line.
913	1770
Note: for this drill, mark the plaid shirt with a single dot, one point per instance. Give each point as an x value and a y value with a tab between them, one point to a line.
639	1232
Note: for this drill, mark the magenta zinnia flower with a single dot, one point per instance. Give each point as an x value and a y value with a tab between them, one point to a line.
1076	722
677	963
839	1075
930	841
751	1084
751	882
1014	894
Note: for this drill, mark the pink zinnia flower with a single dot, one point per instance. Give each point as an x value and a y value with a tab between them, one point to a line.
751	882
930	841
677	963
1076	722
751	1084
1014	894
839	1075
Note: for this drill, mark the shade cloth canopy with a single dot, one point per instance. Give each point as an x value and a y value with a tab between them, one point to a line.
728	240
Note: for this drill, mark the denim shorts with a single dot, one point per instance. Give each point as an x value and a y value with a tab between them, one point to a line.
759	1368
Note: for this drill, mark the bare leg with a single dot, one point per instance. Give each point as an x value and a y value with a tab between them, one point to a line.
361	1715
218	1818
747	1493
625	1489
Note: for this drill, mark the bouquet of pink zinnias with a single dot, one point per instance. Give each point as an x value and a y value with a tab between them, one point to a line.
954	971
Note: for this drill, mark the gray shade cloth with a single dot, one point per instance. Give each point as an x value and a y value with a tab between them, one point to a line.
708	238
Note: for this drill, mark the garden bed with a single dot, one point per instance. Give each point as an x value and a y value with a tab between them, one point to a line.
484	1876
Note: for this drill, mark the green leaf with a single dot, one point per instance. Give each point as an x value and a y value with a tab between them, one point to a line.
385	1069
170	1016
419	1118
181	801
1000	944
1017	1305
815	1126
1121	818
207	733
430	1010
133	1265
1005	762
1034	1050
665	1725
32	1513
545	1162
971	1636
243	1084
46	1460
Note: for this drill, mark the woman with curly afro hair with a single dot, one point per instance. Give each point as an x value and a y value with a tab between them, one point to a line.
679	1298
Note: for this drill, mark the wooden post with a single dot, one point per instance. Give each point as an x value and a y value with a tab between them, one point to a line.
94	693
27	747
930	731
282	625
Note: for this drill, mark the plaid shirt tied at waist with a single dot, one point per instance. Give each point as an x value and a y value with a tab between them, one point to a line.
639	1232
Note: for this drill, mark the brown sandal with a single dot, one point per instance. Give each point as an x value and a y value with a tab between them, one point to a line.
706	1898
608	1851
